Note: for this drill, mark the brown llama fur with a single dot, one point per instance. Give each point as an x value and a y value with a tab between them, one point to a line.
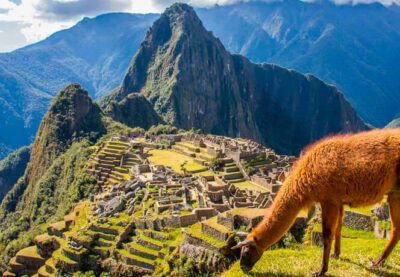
355	170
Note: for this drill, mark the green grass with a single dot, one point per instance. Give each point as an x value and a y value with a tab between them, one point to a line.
359	248
195	231
57	255
362	210
206	173
174	160
212	222
125	253
141	248
250	185
31	251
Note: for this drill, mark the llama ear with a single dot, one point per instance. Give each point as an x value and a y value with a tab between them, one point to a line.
246	242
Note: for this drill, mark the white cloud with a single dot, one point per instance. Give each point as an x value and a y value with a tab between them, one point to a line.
6	5
1	31
40	18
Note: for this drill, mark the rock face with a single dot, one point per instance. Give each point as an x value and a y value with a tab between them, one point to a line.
135	111
193	82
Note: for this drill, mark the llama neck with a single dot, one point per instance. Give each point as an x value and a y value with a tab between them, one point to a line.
281	216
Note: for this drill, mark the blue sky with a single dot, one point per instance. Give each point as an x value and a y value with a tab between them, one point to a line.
27	21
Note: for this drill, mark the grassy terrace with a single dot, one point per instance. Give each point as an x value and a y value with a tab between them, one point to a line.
174	160
250	185
31	252
58	255
125	253
358	249
195	231
221	228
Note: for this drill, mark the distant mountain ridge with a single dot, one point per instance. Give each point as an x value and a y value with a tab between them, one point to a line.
356	47
193	82
94	53
319	38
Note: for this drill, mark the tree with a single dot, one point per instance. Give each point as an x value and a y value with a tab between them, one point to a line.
183	167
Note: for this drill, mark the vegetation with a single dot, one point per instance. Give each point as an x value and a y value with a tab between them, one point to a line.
12	168
359	248
65	183
56	176
161	129
134	110
216	164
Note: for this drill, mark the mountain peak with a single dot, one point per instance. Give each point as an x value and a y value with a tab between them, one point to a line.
72	114
194	82
178	30
181	17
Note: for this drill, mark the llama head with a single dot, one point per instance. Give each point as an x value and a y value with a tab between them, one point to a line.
250	253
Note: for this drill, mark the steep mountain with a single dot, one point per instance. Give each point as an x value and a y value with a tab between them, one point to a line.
193	82
324	39
94	53
55	177
320	38
12	168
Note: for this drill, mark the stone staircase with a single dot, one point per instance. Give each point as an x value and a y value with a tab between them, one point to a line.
110	165
231	173
189	149
145	249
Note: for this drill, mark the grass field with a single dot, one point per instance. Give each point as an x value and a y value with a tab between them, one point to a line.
359	248
250	185
173	160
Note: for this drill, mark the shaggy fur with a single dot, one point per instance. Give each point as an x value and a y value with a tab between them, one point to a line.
355	170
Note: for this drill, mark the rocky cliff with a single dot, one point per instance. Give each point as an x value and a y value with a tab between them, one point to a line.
193	82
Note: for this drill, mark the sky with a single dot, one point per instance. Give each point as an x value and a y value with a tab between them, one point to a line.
24	22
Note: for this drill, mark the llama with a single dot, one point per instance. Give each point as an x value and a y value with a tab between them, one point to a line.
354	170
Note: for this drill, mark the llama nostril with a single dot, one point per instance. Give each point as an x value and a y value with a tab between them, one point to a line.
245	268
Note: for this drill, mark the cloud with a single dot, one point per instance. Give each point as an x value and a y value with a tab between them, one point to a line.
6	5
162	4
71	9
40	18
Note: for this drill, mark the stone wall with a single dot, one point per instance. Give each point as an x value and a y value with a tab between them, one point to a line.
216	196
213	232
199	242
205	212
264	181
358	221
186	220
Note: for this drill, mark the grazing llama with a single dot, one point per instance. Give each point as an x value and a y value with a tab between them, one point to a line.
355	170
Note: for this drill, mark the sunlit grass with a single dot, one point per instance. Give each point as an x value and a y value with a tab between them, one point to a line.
174	160
249	185
359	248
